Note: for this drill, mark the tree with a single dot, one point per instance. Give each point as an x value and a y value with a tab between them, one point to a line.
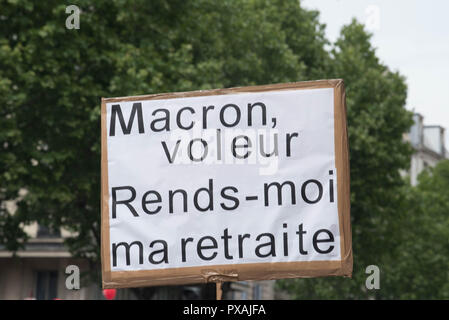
421	257
52	79
377	121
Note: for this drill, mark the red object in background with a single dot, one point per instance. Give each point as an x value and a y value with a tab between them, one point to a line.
110	293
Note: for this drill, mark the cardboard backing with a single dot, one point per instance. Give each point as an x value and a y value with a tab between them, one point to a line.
249	271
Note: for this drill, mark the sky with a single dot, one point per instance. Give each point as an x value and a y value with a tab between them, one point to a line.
412	37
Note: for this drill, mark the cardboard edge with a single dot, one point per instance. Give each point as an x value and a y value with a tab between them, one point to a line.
343	176
104	205
238	272
222	273
316	84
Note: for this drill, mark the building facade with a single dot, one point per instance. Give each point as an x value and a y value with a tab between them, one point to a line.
428	142
251	290
39	271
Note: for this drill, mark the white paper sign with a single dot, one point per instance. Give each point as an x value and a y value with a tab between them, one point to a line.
222	180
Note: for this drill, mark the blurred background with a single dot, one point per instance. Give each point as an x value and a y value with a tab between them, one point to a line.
57	59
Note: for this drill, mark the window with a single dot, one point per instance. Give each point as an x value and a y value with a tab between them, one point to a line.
257	292
45	232
46	285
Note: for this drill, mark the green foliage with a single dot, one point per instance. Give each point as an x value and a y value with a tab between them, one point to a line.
377	120
421	259
52	79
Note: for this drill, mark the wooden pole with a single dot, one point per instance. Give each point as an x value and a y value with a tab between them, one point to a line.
219	290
